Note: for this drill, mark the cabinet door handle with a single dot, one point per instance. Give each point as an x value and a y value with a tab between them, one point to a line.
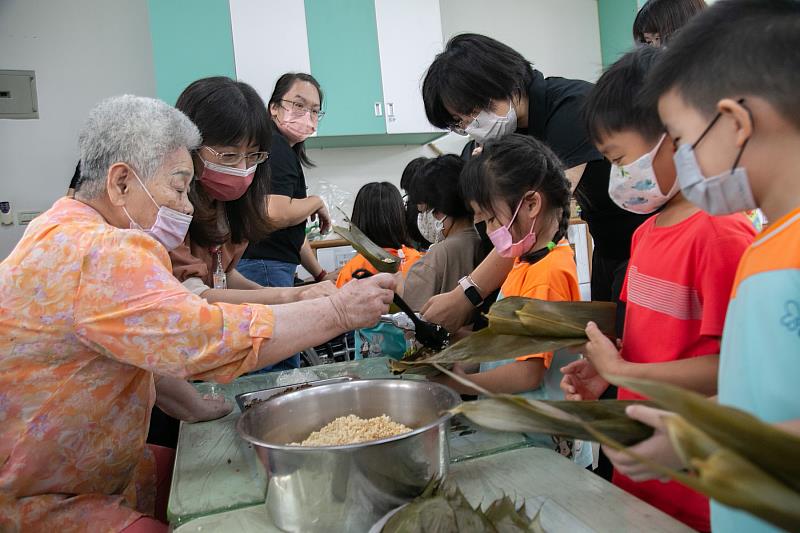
389	109
378	109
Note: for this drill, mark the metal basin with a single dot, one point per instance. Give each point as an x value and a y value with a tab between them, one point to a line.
348	488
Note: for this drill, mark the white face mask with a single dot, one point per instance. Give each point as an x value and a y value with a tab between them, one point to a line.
170	227
430	227
489	125
634	187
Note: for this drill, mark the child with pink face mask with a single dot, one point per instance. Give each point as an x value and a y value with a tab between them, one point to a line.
518	187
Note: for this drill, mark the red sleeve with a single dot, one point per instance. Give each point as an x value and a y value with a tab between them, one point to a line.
716	273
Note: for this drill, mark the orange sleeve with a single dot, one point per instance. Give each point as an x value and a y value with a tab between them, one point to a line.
346	273
411	257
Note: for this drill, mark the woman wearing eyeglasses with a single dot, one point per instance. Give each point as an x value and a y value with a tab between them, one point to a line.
295	109
232	178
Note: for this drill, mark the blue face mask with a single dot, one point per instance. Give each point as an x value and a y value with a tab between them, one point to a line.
722	194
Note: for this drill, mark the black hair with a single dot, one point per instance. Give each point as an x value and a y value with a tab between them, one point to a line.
228	112
406	181
470	72
378	212
734	49
664	17
76	177
282	87
410	172
612	104
436	186
510	166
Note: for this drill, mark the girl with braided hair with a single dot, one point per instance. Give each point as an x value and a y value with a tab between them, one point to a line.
517	186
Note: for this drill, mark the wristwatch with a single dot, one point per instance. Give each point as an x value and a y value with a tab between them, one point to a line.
470	291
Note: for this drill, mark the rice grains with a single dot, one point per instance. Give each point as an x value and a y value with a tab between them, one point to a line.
352	429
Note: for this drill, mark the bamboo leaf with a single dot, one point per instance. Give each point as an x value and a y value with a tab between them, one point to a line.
379	258
487	346
774	450
514	413
567	319
722	474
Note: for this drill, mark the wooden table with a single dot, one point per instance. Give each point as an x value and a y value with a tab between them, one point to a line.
571	499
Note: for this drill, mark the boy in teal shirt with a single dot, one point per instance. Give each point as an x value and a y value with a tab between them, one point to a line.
727	92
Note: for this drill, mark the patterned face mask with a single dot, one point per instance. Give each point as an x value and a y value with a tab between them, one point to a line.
634	187
430	227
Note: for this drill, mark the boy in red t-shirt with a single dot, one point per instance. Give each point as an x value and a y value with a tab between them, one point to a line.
682	266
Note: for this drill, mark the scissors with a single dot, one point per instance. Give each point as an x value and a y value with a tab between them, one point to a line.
429	335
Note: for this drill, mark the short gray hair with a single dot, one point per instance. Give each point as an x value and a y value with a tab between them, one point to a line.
131	129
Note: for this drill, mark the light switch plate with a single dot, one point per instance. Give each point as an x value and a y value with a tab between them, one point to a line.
24	217
18	98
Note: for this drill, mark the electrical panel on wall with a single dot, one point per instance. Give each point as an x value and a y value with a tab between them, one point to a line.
18	94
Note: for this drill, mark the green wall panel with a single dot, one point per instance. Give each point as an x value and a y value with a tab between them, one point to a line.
616	27
191	40
343	49
350	141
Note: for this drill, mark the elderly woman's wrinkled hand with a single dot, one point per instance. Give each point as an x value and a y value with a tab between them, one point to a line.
318	290
361	302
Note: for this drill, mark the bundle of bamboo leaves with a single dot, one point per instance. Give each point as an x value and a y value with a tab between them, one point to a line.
518	326
442	508
729	455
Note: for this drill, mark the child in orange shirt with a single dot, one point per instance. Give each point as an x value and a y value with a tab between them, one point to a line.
379	212
518	187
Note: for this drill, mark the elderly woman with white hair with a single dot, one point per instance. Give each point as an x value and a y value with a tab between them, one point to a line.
90	312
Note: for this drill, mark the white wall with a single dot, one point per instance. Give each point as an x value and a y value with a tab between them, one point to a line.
82	51
85	50
560	37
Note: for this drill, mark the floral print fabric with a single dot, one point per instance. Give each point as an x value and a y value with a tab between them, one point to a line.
88	312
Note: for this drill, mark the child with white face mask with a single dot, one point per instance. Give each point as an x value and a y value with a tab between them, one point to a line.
682	266
446	221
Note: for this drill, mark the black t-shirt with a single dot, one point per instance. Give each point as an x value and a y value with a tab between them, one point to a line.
555	108
286	179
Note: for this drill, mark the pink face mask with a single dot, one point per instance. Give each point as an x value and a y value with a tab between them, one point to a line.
296	129
503	241
226	183
170	227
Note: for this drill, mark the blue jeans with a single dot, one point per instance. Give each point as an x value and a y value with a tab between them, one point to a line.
267	272
271	274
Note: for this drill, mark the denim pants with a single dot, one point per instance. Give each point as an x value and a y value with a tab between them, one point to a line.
271	274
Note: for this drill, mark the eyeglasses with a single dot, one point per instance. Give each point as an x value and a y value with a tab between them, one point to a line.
458	126
231	159
299	109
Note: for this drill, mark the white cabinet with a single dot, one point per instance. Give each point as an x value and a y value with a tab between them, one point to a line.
370	57
269	39
409	37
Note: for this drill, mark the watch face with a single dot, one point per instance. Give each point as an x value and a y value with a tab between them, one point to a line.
473	296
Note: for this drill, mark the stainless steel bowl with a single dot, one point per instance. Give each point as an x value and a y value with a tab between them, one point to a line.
348	488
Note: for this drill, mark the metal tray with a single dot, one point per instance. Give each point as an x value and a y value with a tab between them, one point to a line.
246	399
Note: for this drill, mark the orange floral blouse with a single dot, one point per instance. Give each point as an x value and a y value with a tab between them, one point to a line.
88	313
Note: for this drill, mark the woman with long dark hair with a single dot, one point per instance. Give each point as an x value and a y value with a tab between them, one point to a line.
295	109
233	179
